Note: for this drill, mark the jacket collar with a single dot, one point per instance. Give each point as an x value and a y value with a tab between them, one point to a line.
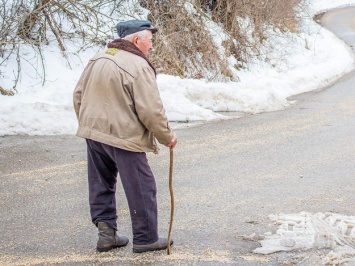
129	47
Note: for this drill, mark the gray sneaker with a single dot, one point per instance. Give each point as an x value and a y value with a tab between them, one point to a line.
160	244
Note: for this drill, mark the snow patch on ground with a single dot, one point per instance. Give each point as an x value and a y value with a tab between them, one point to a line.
304	231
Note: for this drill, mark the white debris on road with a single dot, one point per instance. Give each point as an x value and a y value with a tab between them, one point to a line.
304	231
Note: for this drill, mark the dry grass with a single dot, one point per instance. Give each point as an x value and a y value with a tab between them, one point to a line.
185	47
247	20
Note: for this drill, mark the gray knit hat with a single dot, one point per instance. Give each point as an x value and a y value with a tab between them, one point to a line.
131	26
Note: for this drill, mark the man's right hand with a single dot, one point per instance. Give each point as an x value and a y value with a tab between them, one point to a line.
173	142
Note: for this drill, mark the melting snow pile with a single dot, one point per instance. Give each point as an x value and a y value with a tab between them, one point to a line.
305	230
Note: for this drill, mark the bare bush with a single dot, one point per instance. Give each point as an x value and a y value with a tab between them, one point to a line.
38	22
8	40
183	46
240	18
68	19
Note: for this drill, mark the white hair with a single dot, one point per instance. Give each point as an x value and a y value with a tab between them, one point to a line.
140	34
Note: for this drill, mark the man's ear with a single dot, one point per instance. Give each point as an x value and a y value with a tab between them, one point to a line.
135	40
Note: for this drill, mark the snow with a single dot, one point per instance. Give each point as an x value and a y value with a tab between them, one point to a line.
312	59
303	231
306	61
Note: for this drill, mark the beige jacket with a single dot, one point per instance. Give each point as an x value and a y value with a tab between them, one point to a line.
117	102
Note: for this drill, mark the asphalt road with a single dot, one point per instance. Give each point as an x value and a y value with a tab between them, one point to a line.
228	177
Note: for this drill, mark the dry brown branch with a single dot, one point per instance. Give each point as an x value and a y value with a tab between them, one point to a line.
6	92
30	23
55	31
31	19
183	45
256	16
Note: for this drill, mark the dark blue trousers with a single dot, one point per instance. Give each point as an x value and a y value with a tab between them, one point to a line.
104	164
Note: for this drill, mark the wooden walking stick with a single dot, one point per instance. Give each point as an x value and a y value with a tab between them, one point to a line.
171	197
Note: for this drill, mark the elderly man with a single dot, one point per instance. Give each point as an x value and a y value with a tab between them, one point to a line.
121	116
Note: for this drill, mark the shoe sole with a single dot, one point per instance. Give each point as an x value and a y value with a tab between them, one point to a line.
142	250
105	249
146	250
109	248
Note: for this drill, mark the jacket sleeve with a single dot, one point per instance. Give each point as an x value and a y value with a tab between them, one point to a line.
78	92
149	106
77	98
